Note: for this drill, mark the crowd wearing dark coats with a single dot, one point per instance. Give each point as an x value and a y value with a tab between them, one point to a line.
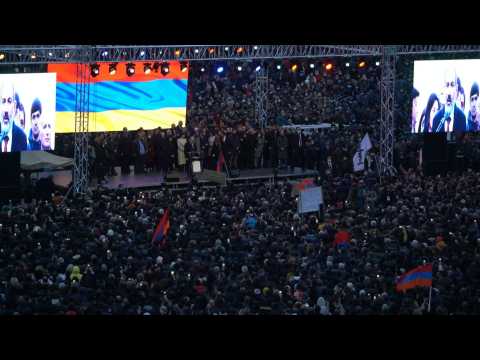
244	250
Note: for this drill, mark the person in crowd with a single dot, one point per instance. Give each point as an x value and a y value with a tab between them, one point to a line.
282	145
181	144
140	152
415	95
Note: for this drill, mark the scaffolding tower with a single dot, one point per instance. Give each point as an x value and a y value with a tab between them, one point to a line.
261	97
82	114
387	99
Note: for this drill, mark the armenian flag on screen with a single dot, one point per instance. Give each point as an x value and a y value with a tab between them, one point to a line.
117	100
420	276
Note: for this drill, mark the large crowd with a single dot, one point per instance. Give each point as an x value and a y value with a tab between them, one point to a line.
244	249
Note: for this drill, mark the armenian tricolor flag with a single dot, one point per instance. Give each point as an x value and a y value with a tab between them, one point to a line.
160	234
116	100
420	276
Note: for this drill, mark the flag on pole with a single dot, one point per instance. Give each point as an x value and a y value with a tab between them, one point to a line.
359	157
420	276
220	162
160	234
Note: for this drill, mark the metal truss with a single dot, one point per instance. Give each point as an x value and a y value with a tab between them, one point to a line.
82	113
110	53
261	97
387	95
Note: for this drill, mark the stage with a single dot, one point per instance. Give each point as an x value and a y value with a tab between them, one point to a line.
176	179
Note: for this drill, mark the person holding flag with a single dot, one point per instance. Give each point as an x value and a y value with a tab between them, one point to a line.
161	231
421	276
359	157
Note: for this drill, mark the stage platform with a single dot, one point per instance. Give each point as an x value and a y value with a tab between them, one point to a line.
177	180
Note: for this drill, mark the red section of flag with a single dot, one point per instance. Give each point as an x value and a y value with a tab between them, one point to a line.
220	162
161	231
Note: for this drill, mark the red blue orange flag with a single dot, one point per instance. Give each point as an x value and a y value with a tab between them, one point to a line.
420	276
160	234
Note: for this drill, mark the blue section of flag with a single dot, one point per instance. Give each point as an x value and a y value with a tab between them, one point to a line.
112	95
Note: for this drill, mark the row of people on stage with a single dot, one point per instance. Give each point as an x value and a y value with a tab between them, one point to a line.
13	133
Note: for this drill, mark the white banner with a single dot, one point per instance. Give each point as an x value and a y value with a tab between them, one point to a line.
310	200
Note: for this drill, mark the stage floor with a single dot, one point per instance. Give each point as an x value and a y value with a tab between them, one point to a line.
155	179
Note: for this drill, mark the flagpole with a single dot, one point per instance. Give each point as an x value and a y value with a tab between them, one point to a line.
430	299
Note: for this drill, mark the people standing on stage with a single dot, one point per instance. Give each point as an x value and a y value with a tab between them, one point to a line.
181	144
140	152
125	152
282	144
259	149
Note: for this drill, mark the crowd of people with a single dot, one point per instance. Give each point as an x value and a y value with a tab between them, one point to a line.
244	249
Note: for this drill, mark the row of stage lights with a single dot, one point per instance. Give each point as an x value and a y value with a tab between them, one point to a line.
164	68
294	67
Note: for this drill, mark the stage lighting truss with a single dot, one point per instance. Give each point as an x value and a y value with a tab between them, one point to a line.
22	54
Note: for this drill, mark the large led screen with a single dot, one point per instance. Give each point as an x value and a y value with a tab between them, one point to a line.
27	110
147	97
445	96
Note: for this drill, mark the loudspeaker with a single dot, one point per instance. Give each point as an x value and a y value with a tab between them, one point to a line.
234	173
171	179
10	179
435	147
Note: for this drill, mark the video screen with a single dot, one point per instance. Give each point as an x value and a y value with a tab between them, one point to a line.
140	96
445	96
27	107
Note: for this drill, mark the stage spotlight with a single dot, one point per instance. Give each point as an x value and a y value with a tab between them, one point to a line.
211	51
112	69
294	67
347	64
239	68
50	54
239	50
2	56
329	66
255	47
258	68
142	53
165	68
279	67
202	69
33	56
220	69
105	53
147	68
177	53
183	66
362	64
156	65
312	66
377	63
130	69
227	48
196	51
67	55
94	70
